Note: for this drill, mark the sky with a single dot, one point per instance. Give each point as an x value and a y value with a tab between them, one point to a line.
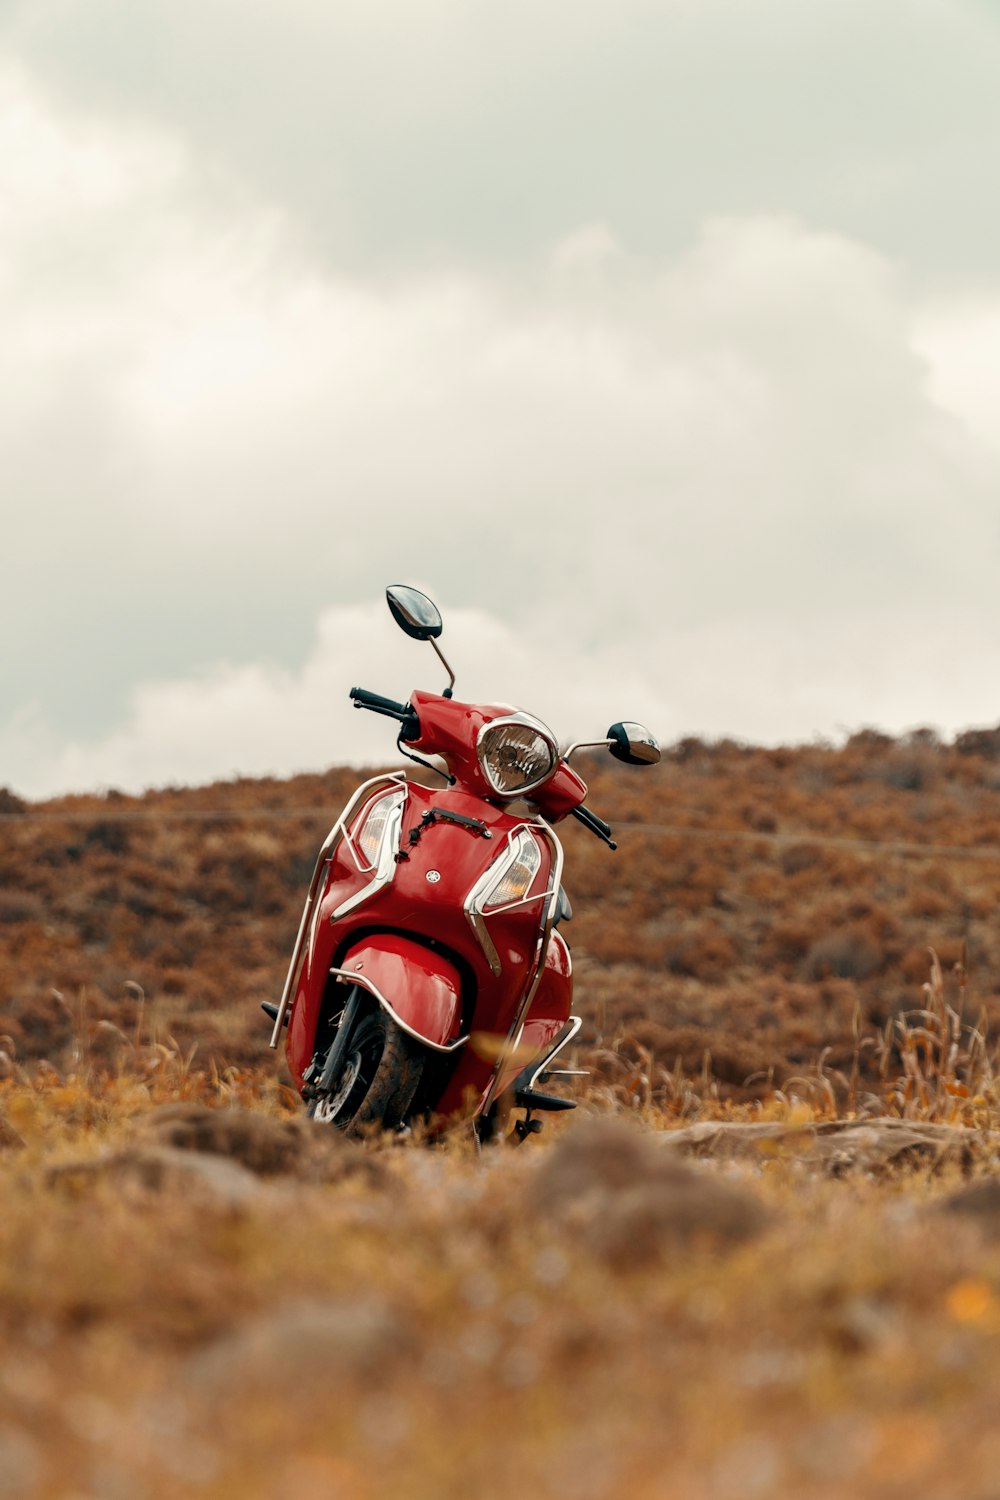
657	340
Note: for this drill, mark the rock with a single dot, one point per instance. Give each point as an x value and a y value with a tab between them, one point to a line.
832	1146
304	1348
263	1144
980	1201
630	1202
211	1180
21	1466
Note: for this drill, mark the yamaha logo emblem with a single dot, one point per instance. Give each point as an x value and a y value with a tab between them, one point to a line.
433	876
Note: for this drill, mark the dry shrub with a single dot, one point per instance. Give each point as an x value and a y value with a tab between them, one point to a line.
677	1070
21	906
798	857
909	769
41	1024
869	744
786	943
114	838
759	816
928	901
946	1069
847	954
702	948
984	743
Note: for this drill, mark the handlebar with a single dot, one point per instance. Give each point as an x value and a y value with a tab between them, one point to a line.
362	698
595	824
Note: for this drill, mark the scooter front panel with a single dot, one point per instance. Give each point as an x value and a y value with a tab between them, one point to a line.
425	900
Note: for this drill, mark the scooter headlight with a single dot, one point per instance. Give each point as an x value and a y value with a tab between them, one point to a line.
379	820
516	754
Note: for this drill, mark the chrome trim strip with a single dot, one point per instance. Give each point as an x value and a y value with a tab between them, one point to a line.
542	948
523	721
333	838
350	977
564	1038
487	944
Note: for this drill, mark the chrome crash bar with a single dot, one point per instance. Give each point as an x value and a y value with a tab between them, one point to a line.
333	838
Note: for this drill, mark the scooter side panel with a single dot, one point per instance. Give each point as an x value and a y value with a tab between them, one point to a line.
550	1010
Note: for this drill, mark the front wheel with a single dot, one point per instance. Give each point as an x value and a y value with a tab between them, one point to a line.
378	1078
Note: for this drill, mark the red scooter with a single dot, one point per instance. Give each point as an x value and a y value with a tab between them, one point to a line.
428	978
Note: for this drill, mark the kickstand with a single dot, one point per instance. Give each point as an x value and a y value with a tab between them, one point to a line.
527	1126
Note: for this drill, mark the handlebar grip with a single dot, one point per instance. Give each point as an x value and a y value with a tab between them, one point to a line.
362	698
595	824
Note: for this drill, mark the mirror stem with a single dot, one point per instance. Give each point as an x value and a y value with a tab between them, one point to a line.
451	675
585	745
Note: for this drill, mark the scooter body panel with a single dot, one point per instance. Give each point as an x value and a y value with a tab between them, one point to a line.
421	910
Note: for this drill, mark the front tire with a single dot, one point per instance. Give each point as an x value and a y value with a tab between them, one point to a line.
378	1079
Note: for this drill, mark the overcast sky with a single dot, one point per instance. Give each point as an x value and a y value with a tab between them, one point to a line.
659	340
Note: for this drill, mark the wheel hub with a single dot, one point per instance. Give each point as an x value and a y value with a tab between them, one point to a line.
329	1107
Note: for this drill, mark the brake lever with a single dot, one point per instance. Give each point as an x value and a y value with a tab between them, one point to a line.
595	824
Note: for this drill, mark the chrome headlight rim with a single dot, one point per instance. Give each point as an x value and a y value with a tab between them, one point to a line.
517	721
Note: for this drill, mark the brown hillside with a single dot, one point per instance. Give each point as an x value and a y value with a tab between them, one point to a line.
767	911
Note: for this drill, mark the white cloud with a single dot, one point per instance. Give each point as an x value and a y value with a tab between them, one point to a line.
961	343
394	132
725	485
758	399
258	719
761	681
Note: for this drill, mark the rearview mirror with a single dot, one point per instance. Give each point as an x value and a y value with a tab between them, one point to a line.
414	612
633	743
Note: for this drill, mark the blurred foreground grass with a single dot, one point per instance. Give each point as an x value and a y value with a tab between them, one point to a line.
280	1313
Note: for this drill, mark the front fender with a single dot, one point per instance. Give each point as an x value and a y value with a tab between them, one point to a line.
419	989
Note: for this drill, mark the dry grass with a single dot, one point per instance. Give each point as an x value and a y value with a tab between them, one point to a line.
578	1317
201	1295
